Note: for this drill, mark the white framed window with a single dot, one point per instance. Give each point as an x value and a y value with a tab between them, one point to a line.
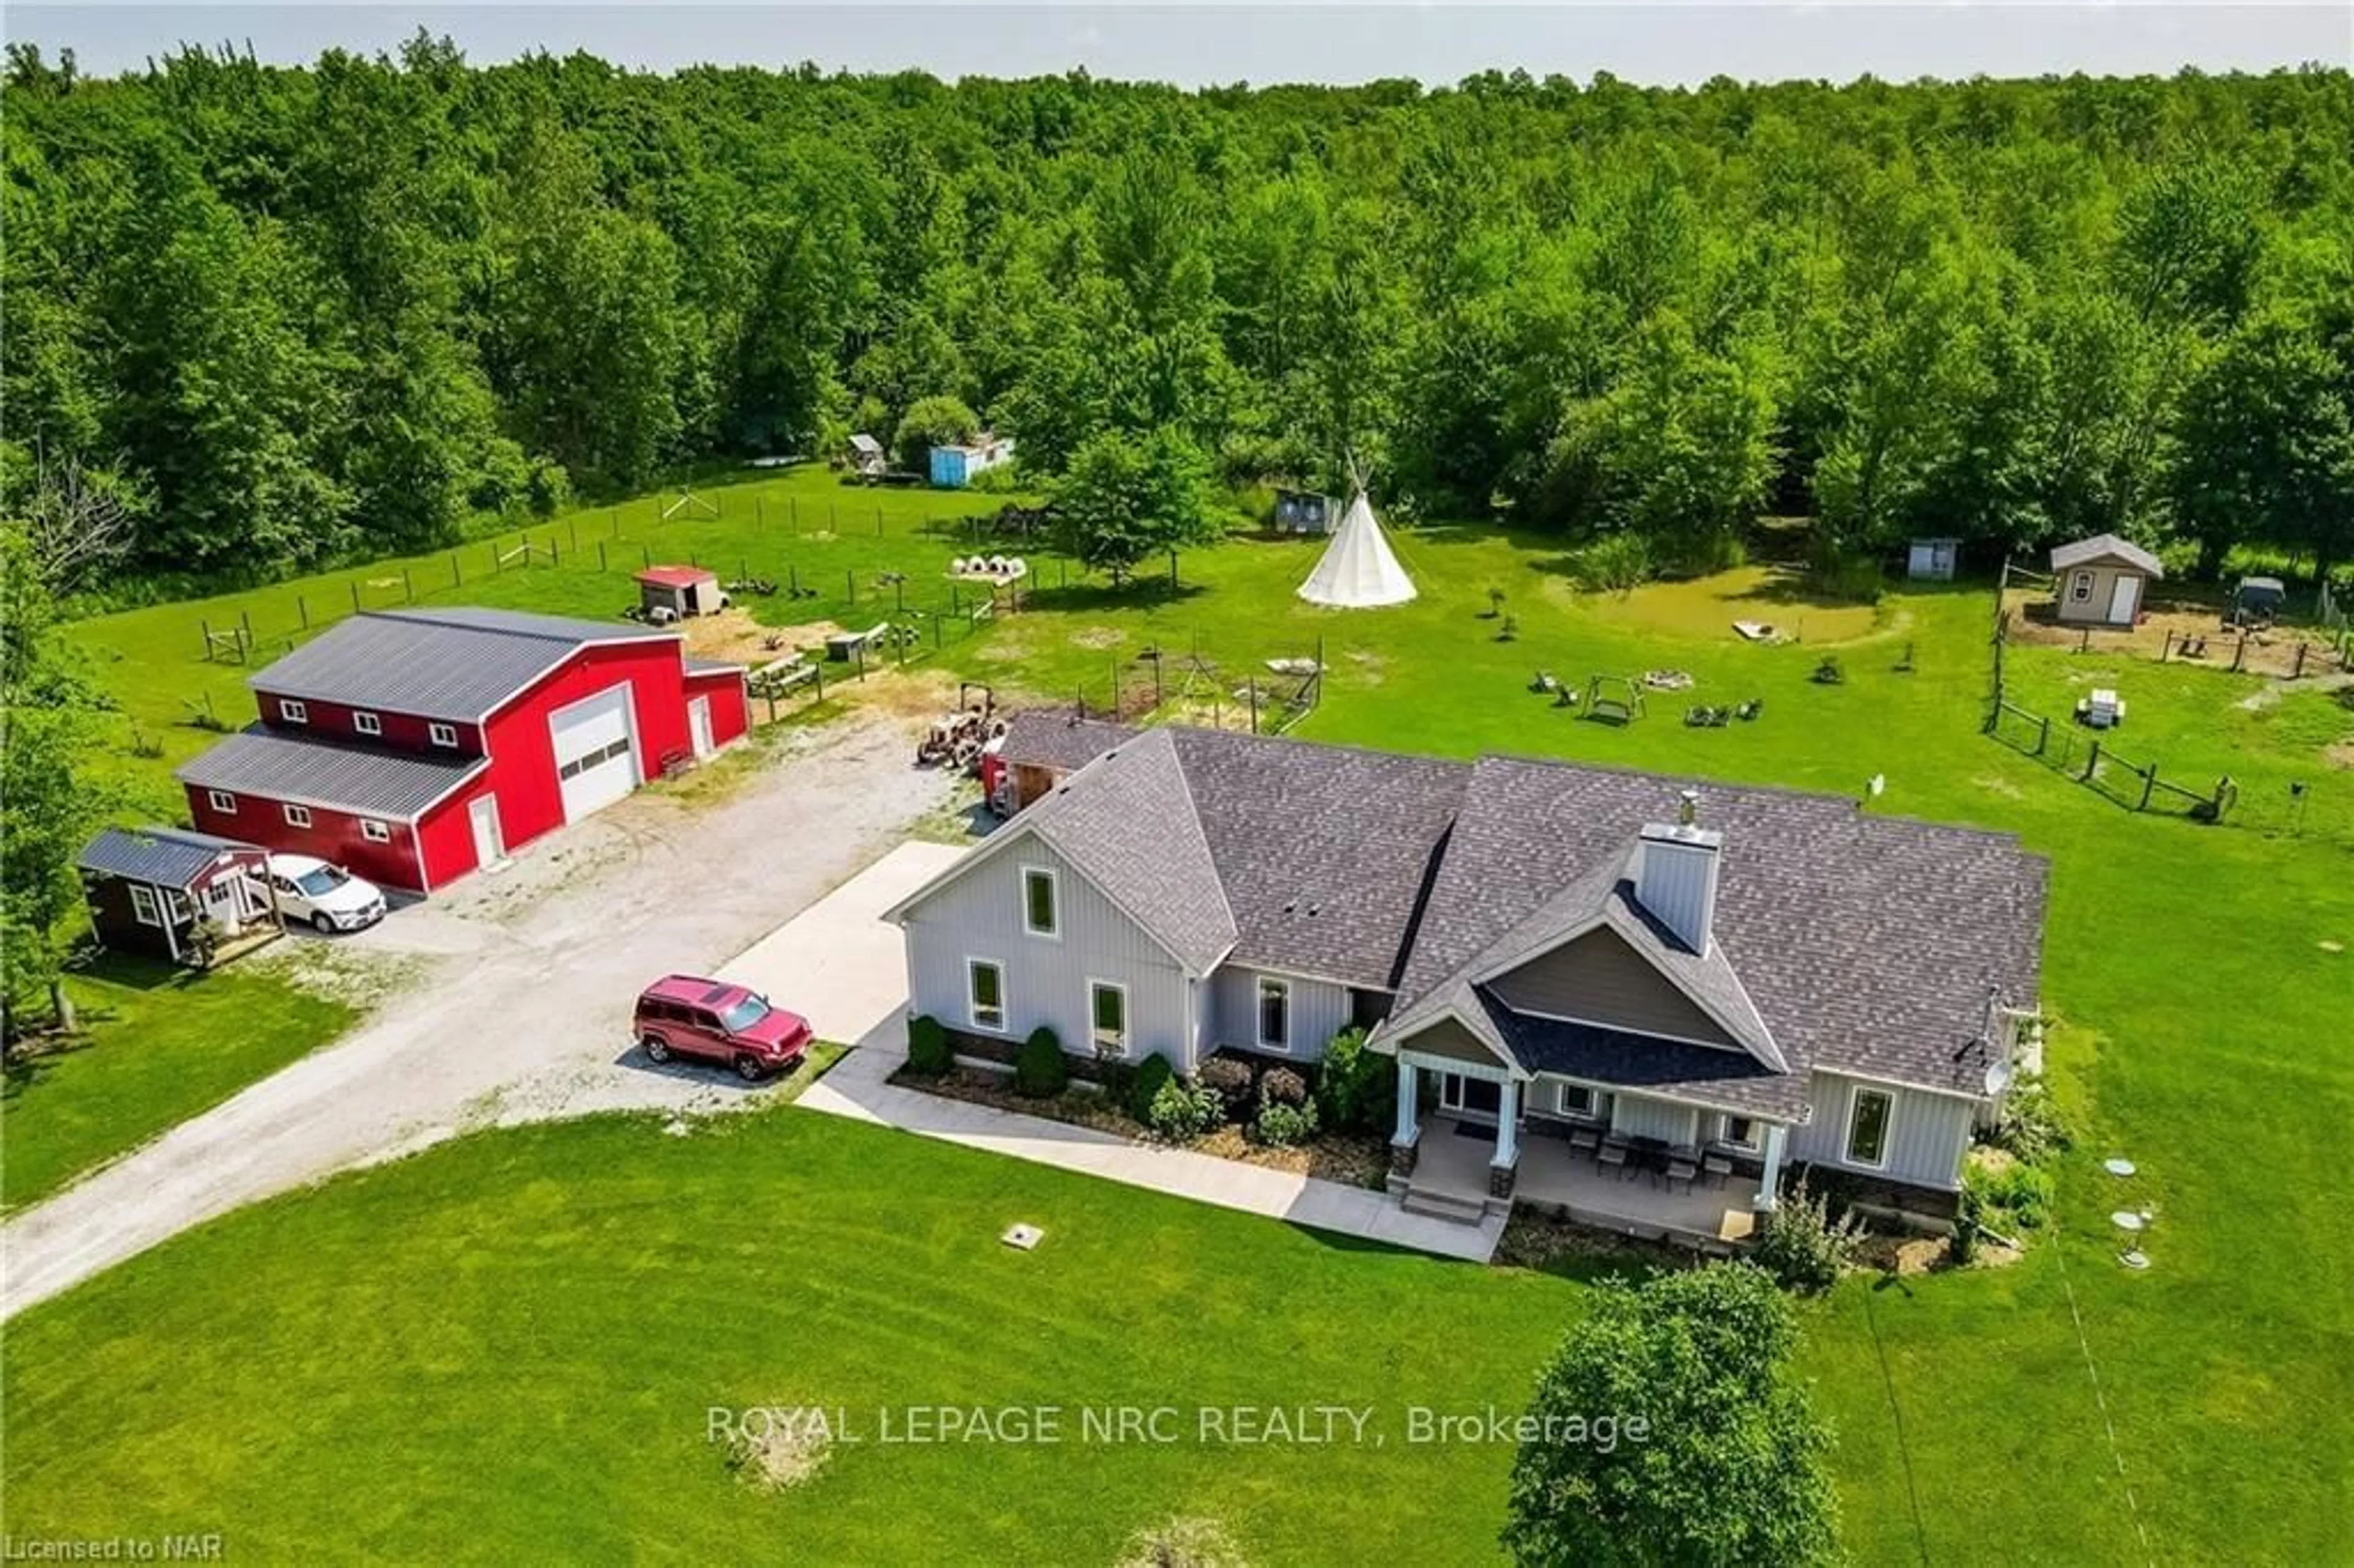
1042	899
297	816
1108	1016
293	712
1869	1112
1572	1099
1737	1131
376	832
1274	1014
984	995
442	734
177	903
366	723
221	800
2080	588
143	907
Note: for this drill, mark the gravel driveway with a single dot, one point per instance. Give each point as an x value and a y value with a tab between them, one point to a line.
517	1002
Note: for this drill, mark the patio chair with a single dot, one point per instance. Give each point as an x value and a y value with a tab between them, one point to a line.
1614	1152
1585	1141
1718	1167
1682	1166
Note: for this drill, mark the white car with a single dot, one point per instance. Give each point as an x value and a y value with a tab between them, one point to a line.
326	897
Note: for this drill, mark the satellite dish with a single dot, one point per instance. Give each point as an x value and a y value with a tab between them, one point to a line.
1998	1076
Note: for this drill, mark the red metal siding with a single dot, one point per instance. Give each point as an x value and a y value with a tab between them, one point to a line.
332	835
402	732
445	835
729	719
522	754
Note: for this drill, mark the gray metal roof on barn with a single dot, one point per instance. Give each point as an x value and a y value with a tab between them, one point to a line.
312	772
458	663
2105	547
160	857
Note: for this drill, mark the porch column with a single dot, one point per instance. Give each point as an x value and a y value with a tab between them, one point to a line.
1769	1179
1403	1149
1504	1169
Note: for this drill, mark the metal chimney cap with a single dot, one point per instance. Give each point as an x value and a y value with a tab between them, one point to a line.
1687	807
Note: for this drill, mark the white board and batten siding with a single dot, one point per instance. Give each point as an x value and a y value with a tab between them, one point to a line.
1927	1133
1046	980
1633	1116
1319	1010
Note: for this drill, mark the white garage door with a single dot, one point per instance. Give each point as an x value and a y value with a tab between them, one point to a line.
596	762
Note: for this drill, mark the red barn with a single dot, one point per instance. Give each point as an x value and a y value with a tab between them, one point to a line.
416	745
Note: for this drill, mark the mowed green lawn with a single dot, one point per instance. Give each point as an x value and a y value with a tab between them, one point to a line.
508	1348
158	1046
508	1327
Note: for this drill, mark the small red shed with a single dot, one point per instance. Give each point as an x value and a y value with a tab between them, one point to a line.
673	593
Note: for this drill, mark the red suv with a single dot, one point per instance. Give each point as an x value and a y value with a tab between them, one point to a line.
683	1016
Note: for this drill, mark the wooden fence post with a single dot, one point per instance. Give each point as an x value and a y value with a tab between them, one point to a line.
2298	673
2240	654
2093	761
572	525
354	586
2044	741
862	661
2167	649
794	573
407	585
645	553
206	626
1254	704
303	607
457	578
850	585
600	556
2149	783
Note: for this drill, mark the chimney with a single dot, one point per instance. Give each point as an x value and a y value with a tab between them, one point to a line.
1675	874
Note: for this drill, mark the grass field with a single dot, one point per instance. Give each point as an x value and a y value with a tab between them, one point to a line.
159	1046
589	1285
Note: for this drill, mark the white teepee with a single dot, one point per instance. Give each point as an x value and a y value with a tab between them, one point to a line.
1359	569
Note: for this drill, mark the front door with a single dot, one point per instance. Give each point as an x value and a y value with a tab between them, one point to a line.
698	724
2123	599
489	845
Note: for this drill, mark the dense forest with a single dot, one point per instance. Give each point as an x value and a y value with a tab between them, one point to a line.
266	318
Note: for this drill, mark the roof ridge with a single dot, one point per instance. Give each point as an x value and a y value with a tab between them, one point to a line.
428	616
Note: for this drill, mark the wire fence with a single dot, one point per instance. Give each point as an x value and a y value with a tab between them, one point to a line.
1262	697
2090	756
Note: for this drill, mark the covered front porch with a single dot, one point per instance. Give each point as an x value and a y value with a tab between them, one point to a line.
1469	1143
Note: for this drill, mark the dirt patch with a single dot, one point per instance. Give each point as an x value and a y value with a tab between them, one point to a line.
1533	1240
1183	1544
1098	638
2002	787
2162	631
2340	755
777	1448
734	636
1351	1159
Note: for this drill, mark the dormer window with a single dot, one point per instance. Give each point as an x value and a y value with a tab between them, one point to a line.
293	712
366	723
442	734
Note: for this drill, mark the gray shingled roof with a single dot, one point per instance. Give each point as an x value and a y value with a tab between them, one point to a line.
160	857
1727	1080
1323	851
1127	822
712	667
312	772
458	663
1059	739
1860	944
1866	944
2102	547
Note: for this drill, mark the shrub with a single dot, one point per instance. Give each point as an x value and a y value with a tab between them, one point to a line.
1282	1087
1801	1246
1968	1222
2031	1127
931	422
1230	1078
929	1054
1040	1073
1145	1087
2019	1195
1283	1125
1616	563
1356	1090
1181	1111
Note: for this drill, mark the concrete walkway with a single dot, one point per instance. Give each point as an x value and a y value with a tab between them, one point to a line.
857	1089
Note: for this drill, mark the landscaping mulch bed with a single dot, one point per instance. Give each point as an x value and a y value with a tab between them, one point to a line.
1355	1160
